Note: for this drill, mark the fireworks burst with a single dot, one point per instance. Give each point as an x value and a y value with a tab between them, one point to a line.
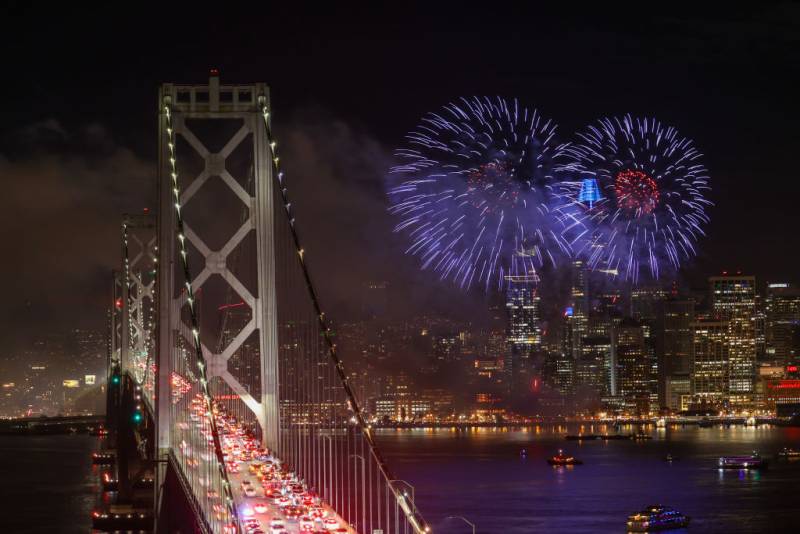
474	191
653	185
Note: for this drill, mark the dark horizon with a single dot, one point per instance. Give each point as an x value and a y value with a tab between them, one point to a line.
78	140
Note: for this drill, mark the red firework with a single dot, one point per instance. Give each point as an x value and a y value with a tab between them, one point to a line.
494	178
636	191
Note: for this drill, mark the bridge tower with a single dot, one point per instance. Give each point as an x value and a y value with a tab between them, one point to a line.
240	331
233	157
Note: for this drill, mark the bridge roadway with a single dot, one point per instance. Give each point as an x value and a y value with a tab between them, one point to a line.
261	510
274	492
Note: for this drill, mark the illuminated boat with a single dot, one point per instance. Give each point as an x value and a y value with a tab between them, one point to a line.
657	518
789	453
563	459
752	461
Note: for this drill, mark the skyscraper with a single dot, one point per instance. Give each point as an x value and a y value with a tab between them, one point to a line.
524	335
782	306
592	369
710	362
733	299
646	303
675	350
579	307
633	367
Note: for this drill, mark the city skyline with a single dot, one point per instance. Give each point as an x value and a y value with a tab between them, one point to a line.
347	153
400	268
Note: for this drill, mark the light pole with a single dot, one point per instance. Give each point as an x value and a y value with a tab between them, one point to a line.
363	491
330	470
405	494
464	519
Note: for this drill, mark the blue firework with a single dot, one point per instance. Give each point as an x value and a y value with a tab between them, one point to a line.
653	186
474	191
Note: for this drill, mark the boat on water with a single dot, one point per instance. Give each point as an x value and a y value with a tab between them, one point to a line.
583	437
596	437
661	422
563	459
670	458
789	453
705	423
751	461
750	421
657	518
640	436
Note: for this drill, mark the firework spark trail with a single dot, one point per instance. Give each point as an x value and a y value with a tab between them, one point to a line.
474	192
654	189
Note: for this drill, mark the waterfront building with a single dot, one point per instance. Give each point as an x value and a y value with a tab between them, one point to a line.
633	368
733	300
674	347
782	329
710	362
524	333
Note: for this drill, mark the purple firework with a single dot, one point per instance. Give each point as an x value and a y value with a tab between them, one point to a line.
473	190
650	210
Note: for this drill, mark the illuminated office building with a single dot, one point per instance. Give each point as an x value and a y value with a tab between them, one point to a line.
782	310
710	362
733	299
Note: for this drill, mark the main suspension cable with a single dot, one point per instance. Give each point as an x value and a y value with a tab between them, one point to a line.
201	363
412	515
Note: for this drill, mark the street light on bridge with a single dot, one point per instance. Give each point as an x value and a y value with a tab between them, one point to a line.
464	519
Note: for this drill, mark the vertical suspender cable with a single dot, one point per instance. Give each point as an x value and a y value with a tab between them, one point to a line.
357	416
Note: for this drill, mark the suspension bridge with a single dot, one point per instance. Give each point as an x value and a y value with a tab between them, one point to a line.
229	409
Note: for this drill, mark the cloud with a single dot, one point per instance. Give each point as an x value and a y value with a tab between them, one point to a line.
336	180
64	194
67	188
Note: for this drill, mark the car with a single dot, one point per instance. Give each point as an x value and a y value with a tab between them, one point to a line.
277	522
260	508
306	524
283	502
250	524
330	524
294	512
280	529
317	512
250	491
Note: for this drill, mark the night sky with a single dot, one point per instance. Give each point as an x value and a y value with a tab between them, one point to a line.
78	134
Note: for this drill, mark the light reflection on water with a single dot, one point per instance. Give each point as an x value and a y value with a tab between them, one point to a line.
478	473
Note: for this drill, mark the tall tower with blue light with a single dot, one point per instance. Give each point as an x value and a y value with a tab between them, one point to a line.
590	192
